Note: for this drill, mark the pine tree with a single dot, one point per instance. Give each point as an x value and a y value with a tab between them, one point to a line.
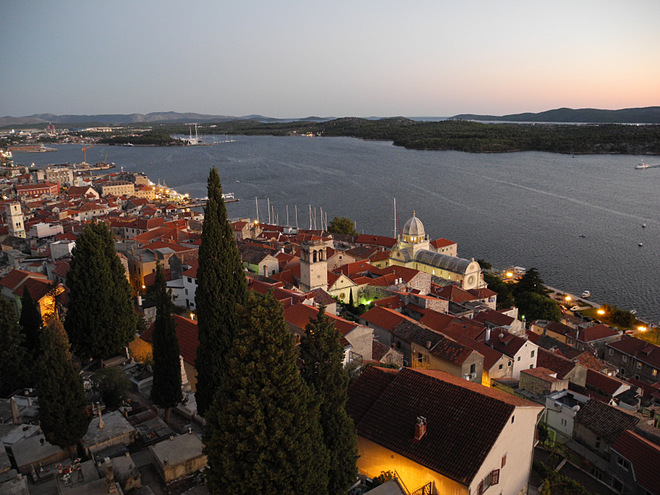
220	292
263	433
62	404
166	391
322	354
14	364
100	319
30	322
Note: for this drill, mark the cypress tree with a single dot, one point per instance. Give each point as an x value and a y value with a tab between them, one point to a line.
100	319
14	364
166	391
30	322
62	405
221	290
322	354
262	433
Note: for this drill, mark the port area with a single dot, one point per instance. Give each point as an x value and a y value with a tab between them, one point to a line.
588	311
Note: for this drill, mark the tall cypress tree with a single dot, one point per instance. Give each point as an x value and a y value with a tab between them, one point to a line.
166	391
100	319
262	433
221	290
322	354
14	364
30	322
62	404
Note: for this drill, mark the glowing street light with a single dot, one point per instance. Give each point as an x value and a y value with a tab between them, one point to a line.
641	328
568	298
601	311
509	274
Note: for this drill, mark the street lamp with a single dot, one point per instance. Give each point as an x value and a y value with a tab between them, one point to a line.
568	298
601	311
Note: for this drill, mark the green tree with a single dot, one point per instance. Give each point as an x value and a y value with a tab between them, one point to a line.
504	291
220	292
530	282
100	319
262	431
62	404
342	225
537	307
322	355
112	385
30	322
166	391
14	364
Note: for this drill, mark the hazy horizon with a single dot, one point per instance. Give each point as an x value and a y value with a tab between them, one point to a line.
292	59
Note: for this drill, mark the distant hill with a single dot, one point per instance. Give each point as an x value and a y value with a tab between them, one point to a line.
137	118
646	115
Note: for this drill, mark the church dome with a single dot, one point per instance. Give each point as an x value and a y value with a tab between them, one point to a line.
414	227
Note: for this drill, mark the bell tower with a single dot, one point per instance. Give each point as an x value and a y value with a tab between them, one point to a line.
15	220
313	266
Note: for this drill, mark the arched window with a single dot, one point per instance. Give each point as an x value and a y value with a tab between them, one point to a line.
315	256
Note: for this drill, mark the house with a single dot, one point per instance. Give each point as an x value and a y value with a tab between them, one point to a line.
430	428
358	338
565	368
523	353
597	426
596	337
634	464
542	381
559	331
560	410
636	358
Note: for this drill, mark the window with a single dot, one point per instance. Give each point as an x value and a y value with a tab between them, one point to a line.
610	352
654	372
518	358
639	365
623	463
473	368
531	366
513	418
532	355
509	364
624	358
504	460
501	366
563	422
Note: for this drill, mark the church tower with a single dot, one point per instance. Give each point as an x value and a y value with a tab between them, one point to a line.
414	235
15	220
313	266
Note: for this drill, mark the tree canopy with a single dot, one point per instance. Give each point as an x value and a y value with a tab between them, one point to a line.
30	321
221	291
166	390
100	319
14	363
263	433
342	225
62	405
322	355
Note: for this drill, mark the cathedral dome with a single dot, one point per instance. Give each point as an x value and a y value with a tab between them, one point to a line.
414	227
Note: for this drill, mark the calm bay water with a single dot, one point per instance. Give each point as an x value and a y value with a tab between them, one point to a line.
577	219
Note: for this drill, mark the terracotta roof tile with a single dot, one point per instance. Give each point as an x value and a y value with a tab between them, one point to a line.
605	421
385	407
644	457
640	349
186	334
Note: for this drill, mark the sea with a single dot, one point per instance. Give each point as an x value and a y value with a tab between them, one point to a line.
586	222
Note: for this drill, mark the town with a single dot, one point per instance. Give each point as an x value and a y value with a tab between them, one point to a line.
452	388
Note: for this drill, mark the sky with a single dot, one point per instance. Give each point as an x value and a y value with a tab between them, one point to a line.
337	58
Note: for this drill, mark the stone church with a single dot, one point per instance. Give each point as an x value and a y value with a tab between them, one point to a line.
414	250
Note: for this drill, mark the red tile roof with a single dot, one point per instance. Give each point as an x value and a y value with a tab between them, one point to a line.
384	317
455	294
300	315
494	317
640	349
603	384
644	457
376	240
16	277
605	421
37	287
595	332
440	243
561	365
464	419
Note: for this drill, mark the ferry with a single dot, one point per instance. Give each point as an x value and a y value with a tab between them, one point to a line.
641	165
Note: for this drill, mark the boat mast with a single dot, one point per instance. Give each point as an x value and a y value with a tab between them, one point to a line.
268	208
287	215
296	210
256	203
395	218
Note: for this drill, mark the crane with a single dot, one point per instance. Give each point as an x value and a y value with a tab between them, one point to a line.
84	150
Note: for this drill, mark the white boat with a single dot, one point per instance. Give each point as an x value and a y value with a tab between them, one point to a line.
586	294
641	165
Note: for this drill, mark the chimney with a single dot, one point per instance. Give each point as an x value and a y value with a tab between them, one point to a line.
487	334
420	427
16	417
101	424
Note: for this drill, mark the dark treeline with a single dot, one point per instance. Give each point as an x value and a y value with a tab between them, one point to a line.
459	135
